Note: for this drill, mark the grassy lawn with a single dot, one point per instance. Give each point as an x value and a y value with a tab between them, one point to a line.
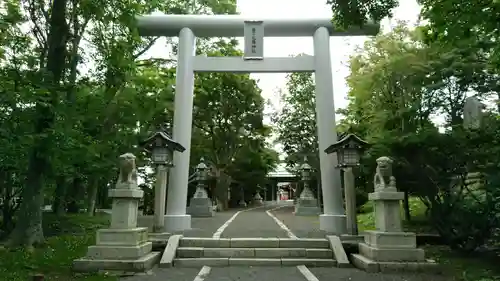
67	239
473	267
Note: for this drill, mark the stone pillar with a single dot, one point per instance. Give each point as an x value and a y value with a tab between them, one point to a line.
123	246
160	196
333	220
350	201
200	205
388	247
176	218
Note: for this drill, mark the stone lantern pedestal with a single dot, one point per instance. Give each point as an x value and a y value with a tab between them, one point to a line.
123	246
200	205
257	200
307	205
389	248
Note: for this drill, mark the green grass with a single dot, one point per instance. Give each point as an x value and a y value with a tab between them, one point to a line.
67	238
471	267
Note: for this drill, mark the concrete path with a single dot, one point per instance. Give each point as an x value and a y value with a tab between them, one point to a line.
302	226
266	222
254	223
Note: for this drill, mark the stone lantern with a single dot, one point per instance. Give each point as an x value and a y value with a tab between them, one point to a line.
307	205
349	150
161	146
200	205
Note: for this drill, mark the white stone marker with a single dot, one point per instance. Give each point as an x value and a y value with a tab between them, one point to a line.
389	248
123	246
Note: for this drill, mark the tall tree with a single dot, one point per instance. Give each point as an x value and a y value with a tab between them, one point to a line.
296	120
228	114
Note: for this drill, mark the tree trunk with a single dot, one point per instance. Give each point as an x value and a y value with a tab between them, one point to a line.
406	206
58	205
28	230
74	195
92	197
223	182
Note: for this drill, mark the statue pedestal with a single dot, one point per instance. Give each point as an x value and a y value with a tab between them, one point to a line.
200	205
307	205
389	248
257	200
124	246
242	203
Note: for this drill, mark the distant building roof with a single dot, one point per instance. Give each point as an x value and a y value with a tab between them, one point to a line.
280	172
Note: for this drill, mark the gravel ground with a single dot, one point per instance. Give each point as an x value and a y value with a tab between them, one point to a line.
254	223
301	226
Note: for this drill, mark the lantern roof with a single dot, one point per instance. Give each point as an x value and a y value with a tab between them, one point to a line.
201	165
165	141
305	165
348	141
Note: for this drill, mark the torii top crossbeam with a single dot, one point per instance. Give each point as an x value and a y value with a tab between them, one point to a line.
233	26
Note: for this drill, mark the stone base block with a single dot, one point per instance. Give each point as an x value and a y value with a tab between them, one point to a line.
145	221
391	254
307	202
159	236
301	210
112	252
122	237
258	203
381	239
201	211
426	266
352	239
333	224
141	264
177	223
201	207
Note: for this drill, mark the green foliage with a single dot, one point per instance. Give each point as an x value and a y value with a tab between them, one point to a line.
357	12
68	239
295	123
78	91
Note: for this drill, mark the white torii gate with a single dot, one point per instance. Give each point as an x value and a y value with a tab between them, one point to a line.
188	27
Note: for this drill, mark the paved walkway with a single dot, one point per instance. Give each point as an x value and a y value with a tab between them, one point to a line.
254	223
268	221
301	226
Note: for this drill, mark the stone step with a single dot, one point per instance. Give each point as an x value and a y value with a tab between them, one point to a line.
200	252
307	243
220	262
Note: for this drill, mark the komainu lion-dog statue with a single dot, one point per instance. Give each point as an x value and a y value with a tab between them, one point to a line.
128	171
383	174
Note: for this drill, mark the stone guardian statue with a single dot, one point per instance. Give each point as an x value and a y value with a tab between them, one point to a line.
128	172
383	174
